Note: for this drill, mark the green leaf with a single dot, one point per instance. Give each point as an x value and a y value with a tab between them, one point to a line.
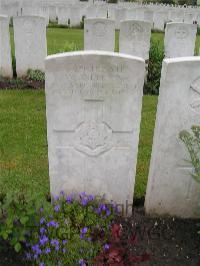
5	235
17	247
24	220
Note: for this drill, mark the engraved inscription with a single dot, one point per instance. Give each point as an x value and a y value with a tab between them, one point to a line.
99	29
93	138
92	82
181	32
135	30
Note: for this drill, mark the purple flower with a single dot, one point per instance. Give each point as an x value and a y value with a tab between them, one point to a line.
102	207
28	256
41	210
108	212
57	208
64	250
42	264
47	251
57	248
43	240
84	201
54	242
42	220
82	262
106	247
62	193
91	197
35	257
56	198
82	195
53	224
64	242
36	249
84	230
69	199
42	230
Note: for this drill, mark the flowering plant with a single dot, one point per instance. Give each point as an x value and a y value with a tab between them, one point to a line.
74	233
18	218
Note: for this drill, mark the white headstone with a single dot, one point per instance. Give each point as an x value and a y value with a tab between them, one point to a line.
180	39
148	16
99	34
120	14
63	15
131	13
52	13
159	20
30	43
5	50
44	12
171	190
91	11
94	102
75	16
101	12
135	37
176	16
189	17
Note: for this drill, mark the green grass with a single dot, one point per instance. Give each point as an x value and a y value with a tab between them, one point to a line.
23	144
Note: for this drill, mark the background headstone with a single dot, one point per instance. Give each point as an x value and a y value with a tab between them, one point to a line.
5	50
135	37
120	14
30	43
99	34
159	20
180	39
75	16
63	15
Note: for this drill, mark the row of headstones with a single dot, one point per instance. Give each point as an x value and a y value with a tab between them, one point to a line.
94	102
72	15
99	34
30	45
134	37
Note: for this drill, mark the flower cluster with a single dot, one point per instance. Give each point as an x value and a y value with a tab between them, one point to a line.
71	234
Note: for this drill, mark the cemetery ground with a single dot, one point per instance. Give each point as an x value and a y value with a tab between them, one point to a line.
24	168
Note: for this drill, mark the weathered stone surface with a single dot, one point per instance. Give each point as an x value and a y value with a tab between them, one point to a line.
120	14
5	50
75	16
148	16
171	190
52	13
99	34
63	15
180	39
30	43
135	37
94	102
176	16
159	20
